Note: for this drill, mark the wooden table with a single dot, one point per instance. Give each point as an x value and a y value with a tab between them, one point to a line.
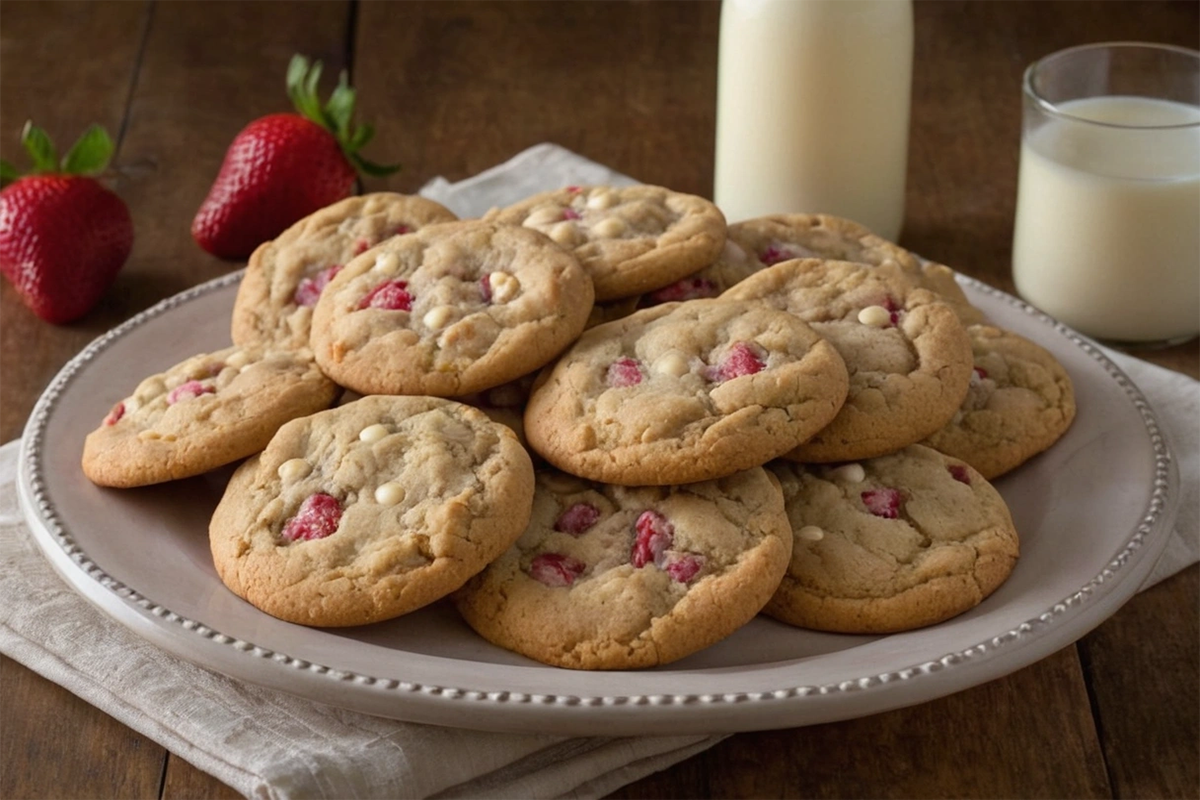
454	88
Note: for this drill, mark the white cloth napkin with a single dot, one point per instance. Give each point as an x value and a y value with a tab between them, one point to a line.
267	744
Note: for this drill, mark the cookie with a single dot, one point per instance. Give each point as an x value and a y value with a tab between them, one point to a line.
285	276
891	543
370	510
205	412
450	310
630	239
684	392
908	356
782	237
607	577
1020	402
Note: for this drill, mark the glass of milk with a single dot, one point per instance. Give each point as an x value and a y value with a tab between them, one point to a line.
1107	232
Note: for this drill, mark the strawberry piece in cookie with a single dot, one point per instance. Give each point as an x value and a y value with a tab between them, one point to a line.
317	518
188	391
655	534
683	567
114	416
624	372
742	358
555	569
309	290
884	502
577	519
389	295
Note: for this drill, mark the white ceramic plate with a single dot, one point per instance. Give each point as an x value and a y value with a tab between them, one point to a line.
1093	513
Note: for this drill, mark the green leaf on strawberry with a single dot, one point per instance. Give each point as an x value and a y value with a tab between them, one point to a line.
90	154
39	147
337	114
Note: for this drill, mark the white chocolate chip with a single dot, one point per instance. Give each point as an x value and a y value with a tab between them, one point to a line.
875	316
238	359
565	233
601	199
294	469
545	215
438	317
673	363
853	473
387	262
150	388
504	286
389	494
609	227
373	433
811	533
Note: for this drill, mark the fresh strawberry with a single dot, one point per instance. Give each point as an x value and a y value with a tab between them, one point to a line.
283	167
63	236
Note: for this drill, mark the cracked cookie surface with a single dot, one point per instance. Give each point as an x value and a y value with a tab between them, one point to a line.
891	543
1020	402
908	356
684	392
370	510
205	412
285	276
450	310
608	577
630	239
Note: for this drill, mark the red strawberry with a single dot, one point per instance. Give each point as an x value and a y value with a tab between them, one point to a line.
63	236
283	167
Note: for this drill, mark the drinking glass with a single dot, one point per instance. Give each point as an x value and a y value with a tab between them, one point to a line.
1107	230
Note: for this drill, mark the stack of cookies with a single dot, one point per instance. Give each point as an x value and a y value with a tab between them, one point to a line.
609	427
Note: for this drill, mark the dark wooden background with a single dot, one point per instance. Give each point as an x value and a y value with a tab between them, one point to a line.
456	87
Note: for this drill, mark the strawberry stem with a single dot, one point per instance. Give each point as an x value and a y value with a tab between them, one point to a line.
337	114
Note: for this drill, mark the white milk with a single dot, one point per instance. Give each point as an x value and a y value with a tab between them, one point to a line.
812	109
1107	235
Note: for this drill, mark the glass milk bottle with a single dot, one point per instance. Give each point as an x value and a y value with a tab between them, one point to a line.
813	109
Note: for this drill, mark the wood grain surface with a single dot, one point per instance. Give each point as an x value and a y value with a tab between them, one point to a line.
456	87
